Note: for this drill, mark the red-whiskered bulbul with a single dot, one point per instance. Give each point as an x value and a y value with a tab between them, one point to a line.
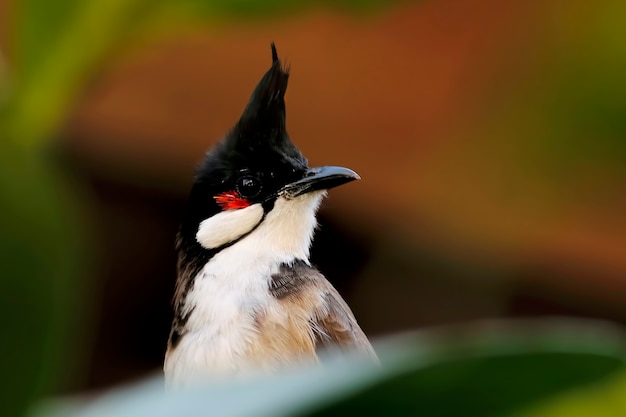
247	297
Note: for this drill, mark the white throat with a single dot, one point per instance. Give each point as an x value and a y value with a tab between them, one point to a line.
286	231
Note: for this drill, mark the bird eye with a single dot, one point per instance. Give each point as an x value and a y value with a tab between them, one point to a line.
249	187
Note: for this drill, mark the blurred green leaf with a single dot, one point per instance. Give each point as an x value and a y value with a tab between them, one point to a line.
243	8
39	263
488	369
566	122
483	386
56	59
601	400
587	100
37	28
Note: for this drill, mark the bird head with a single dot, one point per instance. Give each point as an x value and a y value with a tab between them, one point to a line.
257	176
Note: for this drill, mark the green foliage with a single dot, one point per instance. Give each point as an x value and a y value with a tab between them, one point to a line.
470	370
483	386
56	58
601	400
568	122
587	104
252	8
39	264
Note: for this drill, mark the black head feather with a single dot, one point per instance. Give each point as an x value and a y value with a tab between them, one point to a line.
260	135
266	108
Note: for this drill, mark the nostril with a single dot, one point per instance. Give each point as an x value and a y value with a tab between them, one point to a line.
312	172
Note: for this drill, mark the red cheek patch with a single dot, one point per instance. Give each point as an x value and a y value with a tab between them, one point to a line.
231	200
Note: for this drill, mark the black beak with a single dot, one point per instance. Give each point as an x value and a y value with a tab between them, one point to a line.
319	178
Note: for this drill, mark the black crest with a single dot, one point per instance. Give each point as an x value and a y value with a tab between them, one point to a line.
260	135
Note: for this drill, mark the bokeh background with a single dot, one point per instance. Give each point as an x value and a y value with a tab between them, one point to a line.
490	136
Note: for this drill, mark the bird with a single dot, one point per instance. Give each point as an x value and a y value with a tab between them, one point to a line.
247	298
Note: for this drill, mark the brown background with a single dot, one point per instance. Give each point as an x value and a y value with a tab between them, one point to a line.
455	217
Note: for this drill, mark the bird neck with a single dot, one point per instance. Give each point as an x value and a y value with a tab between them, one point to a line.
285	235
282	238
243	271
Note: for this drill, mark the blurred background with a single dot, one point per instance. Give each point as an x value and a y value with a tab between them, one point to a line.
490	136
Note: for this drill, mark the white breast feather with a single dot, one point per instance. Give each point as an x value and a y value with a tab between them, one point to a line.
234	286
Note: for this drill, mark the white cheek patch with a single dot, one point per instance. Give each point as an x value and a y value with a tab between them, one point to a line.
228	225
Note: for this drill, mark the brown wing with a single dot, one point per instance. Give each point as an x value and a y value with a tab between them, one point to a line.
333	325
336	327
